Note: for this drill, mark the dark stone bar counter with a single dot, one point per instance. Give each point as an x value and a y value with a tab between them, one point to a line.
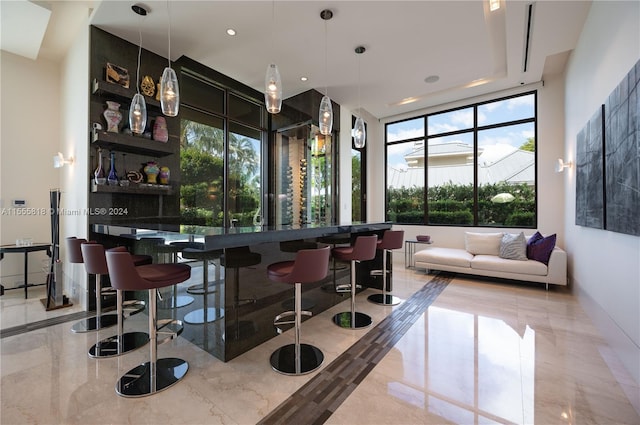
239	316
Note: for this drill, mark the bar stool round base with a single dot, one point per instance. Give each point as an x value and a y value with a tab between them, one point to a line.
199	289
383	299
95	323
283	360
108	347
360	320
200	316
137	382
175	302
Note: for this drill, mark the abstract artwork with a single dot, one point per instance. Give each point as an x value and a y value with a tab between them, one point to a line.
589	174
622	155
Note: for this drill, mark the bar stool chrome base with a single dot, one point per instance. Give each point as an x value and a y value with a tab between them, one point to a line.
141	382
355	320
384	299
109	347
95	323
202	315
201	289
284	360
172	302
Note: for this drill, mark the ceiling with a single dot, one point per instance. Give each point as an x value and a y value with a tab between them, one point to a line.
471	49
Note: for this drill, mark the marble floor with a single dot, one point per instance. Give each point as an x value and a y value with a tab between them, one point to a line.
477	351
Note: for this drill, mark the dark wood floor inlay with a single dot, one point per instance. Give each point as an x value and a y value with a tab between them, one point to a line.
316	401
17	330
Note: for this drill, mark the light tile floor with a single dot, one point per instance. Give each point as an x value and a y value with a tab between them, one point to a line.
483	352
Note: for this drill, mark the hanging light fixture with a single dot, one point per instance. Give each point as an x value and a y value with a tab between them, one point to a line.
138	108
325	115
272	80
359	130
169	90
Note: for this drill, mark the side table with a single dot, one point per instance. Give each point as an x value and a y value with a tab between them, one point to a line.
410	249
25	249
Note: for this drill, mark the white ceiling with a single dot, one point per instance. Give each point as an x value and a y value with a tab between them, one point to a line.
472	50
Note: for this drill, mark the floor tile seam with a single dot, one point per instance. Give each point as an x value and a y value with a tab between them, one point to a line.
424	297
41	324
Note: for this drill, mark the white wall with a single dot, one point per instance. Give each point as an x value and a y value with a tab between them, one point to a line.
605	266
74	180
29	137
549	184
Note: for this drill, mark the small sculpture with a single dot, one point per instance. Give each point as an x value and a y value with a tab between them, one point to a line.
164	174
160	132
147	86
113	116
151	169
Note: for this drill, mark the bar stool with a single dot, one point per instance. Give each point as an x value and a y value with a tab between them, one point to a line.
156	374
173	300
363	249
205	314
99	321
121	343
235	258
391	239
293	247
310	265
334	240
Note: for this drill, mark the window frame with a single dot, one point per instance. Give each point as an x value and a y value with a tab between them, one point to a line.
476	130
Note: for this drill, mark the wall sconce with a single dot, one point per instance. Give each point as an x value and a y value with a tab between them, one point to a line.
561	165
59	161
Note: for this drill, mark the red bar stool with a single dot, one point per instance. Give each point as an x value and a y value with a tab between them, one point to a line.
310	265
363	249
99	321
156	374
391	239
121	343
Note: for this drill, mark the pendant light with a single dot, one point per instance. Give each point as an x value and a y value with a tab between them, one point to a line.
359	131
138	108
325	115
272	80
169	90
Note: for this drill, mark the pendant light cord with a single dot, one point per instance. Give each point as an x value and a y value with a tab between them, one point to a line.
326	68
169	14
139	54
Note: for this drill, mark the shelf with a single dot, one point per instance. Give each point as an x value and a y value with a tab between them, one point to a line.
125	143
133	188
126	94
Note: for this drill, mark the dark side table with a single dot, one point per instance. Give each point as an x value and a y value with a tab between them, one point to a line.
25	249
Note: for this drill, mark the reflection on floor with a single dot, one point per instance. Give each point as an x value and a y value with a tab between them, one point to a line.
482	352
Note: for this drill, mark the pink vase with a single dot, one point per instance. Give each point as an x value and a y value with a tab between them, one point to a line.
113	116
160	132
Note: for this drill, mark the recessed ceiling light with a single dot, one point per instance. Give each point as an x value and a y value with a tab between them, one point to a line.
431	79
231	31
304	78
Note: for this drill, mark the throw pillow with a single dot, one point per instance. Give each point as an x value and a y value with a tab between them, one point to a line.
540	250
513	246
530	240
482	243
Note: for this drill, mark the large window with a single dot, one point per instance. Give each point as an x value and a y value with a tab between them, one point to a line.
221	156
477	162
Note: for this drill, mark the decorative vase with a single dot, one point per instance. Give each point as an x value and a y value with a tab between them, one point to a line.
99	175
163	176
160	132
113	116
112	178
151	169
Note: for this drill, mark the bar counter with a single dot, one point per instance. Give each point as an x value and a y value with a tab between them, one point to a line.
238	317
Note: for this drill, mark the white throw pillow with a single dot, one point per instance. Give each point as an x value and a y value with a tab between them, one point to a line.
513	246
483	243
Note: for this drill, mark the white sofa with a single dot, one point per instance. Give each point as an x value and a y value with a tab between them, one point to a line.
460	260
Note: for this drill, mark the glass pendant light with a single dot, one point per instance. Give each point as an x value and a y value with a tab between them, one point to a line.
325	115
272	80
359	131
138	108
273	89
169	90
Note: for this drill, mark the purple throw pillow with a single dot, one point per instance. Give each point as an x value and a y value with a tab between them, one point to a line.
539	248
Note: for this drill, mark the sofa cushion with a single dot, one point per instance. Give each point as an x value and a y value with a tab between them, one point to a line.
444	256
513	246
539	247
482	243
494	263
